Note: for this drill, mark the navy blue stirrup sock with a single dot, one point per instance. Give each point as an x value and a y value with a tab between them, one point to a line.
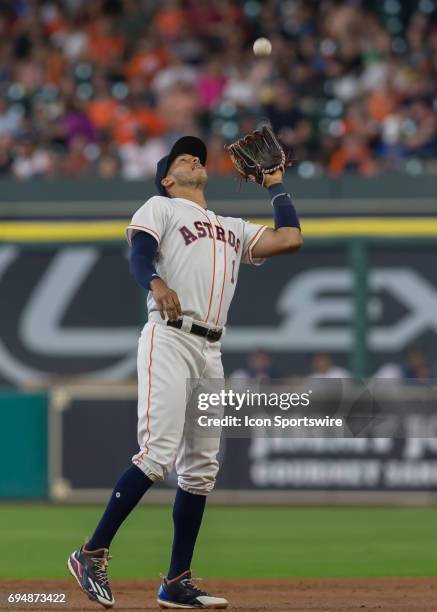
187	517
128	491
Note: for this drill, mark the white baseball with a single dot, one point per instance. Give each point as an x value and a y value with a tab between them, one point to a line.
262	46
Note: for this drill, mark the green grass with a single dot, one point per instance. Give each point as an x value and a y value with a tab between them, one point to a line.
234	542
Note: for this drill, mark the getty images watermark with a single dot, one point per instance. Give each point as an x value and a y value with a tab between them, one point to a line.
239	400
316	408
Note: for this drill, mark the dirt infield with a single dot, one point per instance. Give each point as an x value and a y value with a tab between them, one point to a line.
327	595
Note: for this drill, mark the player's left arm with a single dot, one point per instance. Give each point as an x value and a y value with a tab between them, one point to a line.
287	236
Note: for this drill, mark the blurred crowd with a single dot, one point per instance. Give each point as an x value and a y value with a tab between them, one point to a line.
260	367
105	87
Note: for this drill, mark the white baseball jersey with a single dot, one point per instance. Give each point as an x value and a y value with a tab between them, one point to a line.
199	254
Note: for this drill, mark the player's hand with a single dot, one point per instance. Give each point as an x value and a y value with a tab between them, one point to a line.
166	299
274	177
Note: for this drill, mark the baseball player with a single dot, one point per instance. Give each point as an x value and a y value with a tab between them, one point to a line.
189	259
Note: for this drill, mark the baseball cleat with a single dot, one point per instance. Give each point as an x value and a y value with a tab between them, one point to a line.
182	594
89	568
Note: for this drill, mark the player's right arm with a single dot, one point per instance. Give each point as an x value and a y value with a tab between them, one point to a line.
142	268
144	235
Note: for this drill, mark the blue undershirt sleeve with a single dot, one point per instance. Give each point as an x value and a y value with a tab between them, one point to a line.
142	255
285	213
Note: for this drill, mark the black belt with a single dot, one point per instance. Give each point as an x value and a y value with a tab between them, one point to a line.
212	335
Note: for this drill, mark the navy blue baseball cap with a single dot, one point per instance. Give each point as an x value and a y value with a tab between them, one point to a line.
187	144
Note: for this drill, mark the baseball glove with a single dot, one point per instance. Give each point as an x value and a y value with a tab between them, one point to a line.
258	154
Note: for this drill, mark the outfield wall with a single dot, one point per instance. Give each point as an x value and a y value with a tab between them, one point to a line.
49	451
24	446
398	469
363	289
390	194
364	297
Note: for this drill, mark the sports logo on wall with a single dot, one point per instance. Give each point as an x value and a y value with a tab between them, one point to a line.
75	311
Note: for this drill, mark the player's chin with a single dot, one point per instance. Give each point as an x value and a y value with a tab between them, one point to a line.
201	176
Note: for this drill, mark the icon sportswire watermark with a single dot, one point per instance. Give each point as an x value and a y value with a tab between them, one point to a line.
335	408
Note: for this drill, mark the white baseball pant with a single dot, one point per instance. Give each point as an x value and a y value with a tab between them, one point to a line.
167	359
